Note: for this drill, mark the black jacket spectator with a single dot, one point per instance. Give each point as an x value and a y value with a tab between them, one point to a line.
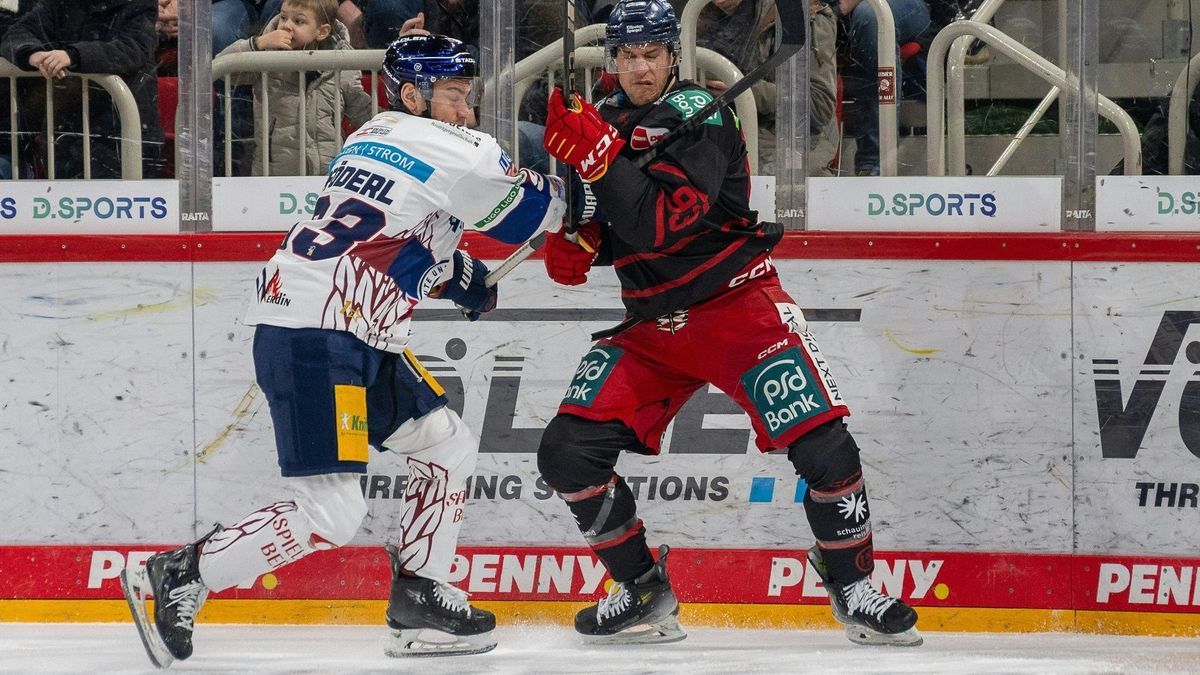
458	19
101	36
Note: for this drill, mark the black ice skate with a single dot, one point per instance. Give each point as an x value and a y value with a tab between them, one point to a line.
870	617
173	579
432	618
643	611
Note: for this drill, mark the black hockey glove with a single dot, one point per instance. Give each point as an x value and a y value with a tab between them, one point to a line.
465	287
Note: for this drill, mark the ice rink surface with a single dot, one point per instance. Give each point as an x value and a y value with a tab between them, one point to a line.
77	648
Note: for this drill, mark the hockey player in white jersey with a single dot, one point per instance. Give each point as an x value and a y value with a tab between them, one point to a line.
333	310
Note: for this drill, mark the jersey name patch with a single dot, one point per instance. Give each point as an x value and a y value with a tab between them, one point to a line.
594	368
689	102
784	391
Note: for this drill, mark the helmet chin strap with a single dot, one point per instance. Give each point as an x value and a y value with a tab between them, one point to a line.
672	79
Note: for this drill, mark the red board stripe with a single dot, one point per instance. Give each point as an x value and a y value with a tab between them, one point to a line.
254	247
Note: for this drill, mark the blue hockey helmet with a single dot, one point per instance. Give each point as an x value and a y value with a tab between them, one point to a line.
639	22
424	60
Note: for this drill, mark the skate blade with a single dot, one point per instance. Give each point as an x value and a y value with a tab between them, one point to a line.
135	585
409	642
662	632
860	635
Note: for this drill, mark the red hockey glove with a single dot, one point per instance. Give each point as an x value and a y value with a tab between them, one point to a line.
580	137
567	262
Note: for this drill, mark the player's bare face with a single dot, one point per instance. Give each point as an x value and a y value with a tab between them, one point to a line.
451	102
643	71
302	24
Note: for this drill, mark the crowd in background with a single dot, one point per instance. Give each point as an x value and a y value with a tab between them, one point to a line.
138	41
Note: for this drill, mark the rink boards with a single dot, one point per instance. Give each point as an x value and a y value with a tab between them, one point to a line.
1028	409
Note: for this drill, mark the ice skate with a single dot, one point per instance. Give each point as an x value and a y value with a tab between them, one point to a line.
432	618
644	611
173	579
870	617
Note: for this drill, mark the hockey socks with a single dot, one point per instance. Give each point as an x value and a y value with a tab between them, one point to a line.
836	502
263	541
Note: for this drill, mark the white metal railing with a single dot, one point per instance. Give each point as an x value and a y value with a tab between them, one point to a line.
956	95
1177	115
282	62
548	59
123	100
1035	63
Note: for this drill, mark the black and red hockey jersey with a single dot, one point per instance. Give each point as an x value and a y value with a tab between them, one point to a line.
681	228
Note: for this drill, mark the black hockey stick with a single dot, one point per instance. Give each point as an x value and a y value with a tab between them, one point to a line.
790	21
568	64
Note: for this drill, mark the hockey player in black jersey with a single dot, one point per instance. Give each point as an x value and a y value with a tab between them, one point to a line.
704	306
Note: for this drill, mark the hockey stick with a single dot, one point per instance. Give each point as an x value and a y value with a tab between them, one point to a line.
515	258
791	38
568	64
791	34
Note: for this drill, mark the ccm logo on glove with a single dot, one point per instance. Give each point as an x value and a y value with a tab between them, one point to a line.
578	136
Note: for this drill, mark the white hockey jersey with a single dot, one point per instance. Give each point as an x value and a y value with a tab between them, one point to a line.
393	210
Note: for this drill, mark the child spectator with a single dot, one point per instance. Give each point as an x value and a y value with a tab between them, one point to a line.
58	37
303	25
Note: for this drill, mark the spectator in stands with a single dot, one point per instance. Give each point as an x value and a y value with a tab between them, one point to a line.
303	25
1156	145
350	13
166	56
860	44
232	20
374	24
743	32
167	24
60	37
10	10
600	10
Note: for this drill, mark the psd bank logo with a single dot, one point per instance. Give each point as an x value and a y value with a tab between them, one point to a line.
1124	421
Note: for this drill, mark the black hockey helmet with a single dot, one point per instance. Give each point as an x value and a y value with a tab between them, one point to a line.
639	22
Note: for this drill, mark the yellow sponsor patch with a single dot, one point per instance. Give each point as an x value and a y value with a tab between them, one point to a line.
350	416
419	369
